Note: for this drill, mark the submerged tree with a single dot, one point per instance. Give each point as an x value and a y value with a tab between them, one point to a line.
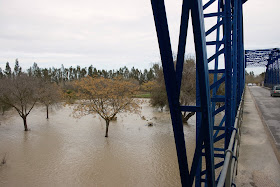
188	88
4	107
49	94
158	92
21	93
105	97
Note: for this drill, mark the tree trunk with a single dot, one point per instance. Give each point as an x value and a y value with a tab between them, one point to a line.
186	118
25	123
107	128
47	111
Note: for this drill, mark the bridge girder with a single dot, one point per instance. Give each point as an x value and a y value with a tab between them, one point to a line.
229	70
269	58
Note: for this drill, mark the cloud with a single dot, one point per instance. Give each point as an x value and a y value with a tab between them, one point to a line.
87	31
107	33
261	24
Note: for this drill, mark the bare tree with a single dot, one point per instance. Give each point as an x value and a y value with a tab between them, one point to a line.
158	91
188	88
105	97
4	107
21	93
49	94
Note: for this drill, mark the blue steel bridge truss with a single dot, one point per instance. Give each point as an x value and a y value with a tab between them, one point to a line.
270	58
228	70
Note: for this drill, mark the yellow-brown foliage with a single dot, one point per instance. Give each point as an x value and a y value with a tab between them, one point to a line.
105	97
148	86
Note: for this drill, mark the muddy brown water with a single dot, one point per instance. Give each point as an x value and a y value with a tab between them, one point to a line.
64	151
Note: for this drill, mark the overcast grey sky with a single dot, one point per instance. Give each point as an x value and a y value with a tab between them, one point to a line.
107	34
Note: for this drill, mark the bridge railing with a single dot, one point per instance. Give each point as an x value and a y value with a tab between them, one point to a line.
229	171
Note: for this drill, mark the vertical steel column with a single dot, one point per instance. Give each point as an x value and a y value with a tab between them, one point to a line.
198	132
182	41
274	72
278	73
204	90
242	46
270	71
240	53
171	86
266	77
234	58
217	58
228	67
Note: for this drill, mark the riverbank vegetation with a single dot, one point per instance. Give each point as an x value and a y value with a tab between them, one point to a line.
102	92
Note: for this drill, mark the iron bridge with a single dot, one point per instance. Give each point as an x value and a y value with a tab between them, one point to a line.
269	58
213	164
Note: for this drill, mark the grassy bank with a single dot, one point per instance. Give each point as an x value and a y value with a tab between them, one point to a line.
142	95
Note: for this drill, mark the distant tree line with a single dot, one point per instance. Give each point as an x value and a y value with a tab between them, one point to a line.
252	78
63	74
101	92
22	90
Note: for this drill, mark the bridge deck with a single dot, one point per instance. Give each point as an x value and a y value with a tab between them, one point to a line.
270	110
258	165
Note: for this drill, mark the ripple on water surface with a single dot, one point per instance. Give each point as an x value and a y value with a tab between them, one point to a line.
64	151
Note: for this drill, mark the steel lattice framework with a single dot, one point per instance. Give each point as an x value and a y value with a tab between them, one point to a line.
265	57
229	70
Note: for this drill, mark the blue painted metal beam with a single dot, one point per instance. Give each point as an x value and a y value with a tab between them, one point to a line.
217	71
229	46
182	41
270	59
190	108
228	67
206	131
171	86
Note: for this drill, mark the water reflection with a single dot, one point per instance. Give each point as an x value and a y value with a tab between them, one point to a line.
64	151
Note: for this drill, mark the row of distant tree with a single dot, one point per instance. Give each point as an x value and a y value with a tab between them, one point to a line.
252	78
64	74
99	92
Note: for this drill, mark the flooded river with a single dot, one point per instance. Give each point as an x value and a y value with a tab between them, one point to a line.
64	151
